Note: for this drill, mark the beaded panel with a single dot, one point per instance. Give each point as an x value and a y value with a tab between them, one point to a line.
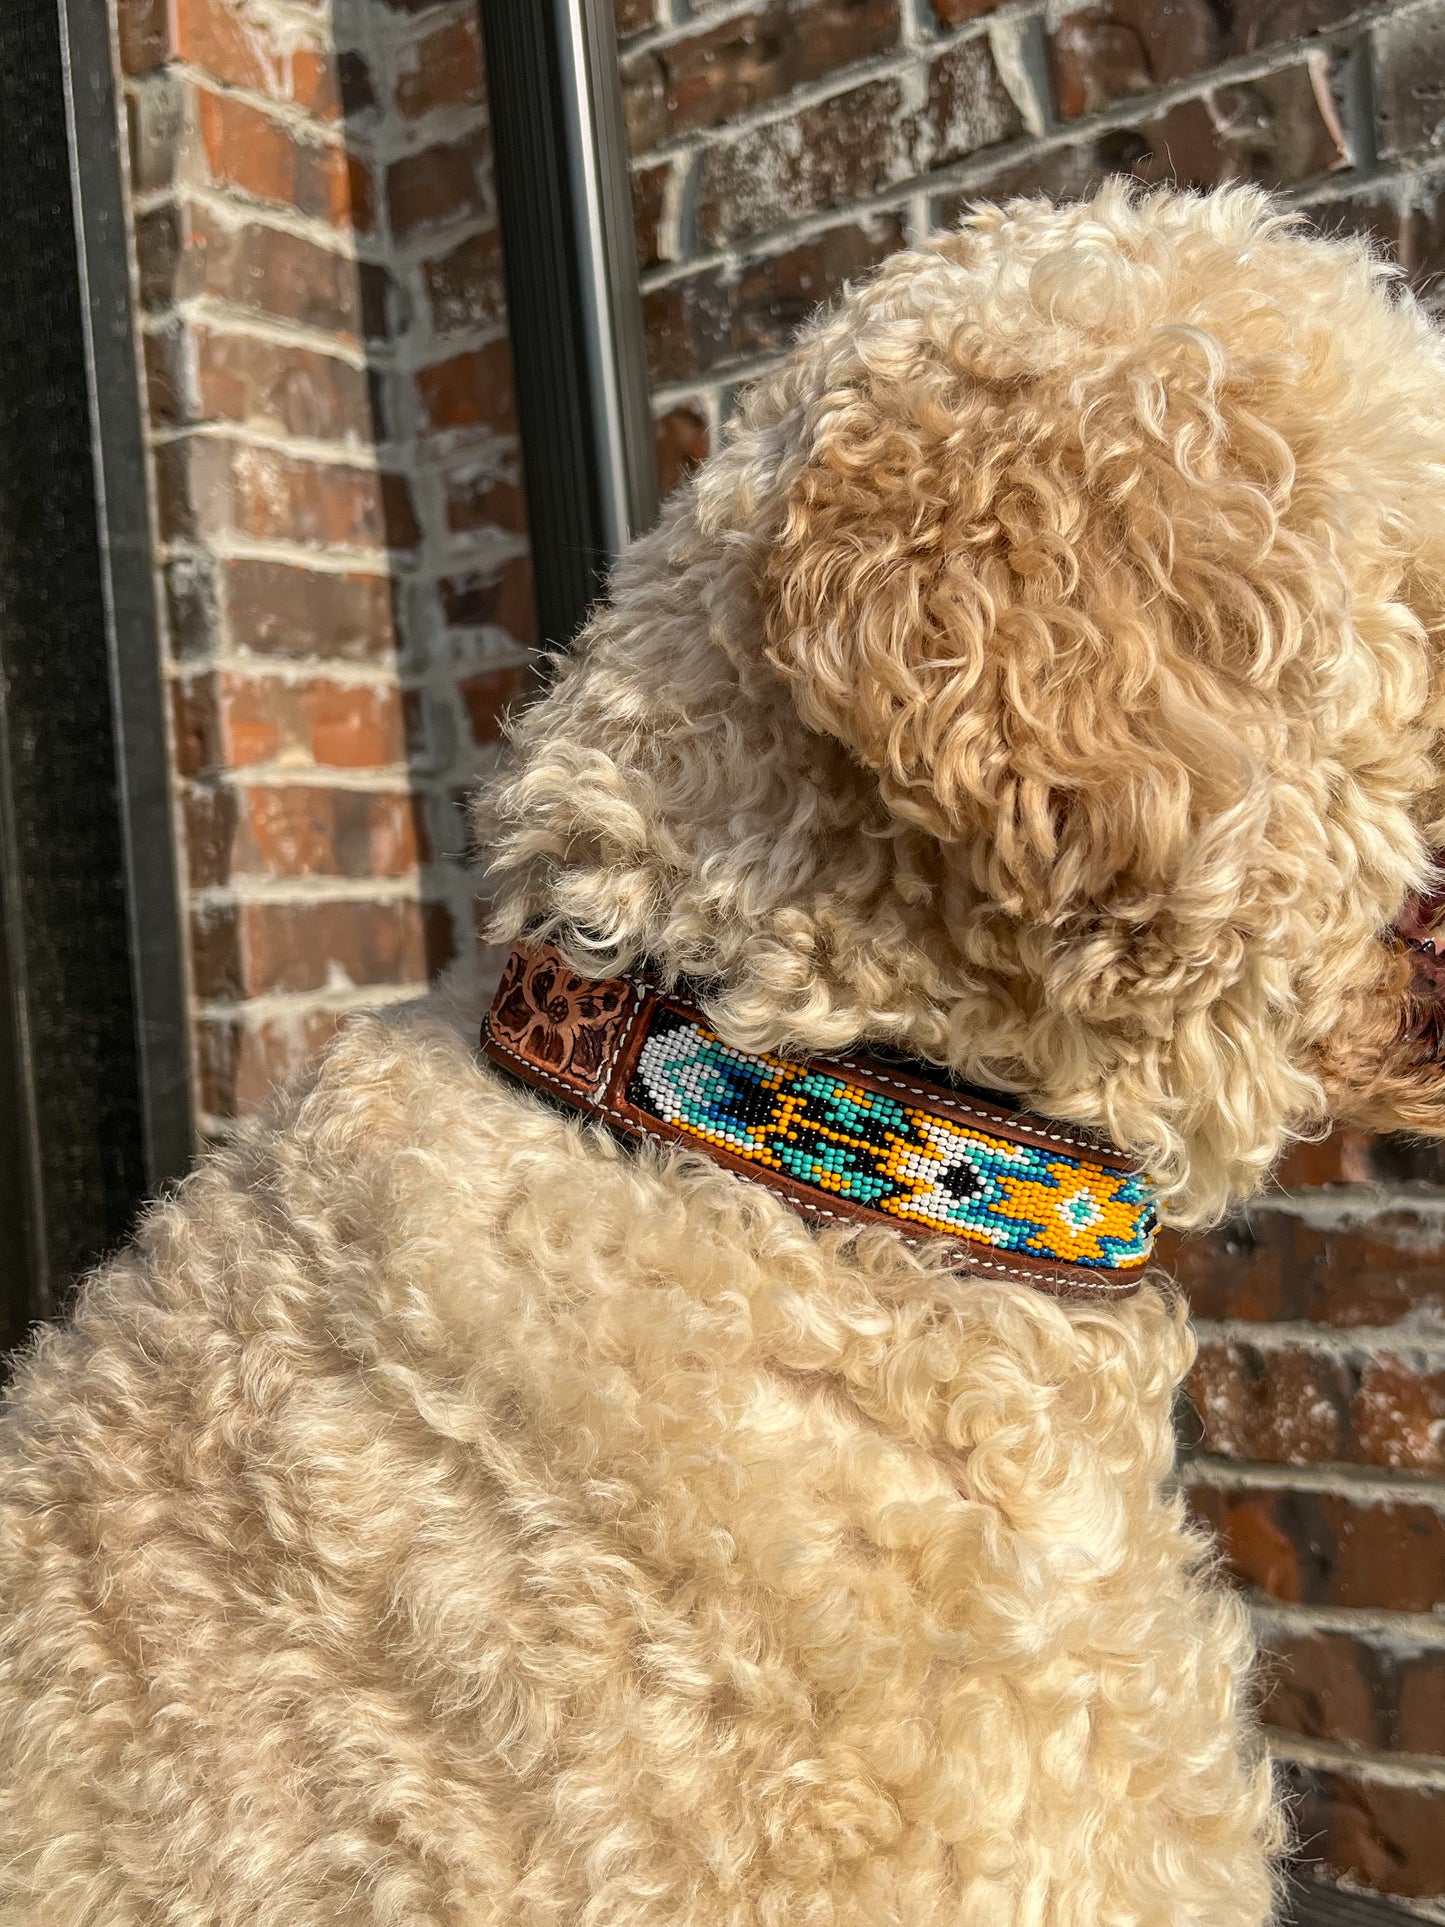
815	1127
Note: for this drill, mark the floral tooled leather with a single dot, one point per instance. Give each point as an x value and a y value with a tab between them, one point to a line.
557	1021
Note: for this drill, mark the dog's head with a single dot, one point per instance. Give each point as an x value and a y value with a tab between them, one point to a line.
1047	675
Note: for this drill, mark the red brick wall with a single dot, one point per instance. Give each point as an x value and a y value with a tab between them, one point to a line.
779	149
339	517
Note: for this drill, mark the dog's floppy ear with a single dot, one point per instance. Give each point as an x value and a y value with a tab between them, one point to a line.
1066	623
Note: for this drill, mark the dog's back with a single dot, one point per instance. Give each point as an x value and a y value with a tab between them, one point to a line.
446	1518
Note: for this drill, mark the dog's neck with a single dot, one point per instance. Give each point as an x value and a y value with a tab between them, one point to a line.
862	1139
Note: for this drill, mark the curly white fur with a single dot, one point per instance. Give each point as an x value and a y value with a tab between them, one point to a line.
442	1518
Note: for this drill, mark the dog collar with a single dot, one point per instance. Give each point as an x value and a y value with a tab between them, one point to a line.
862	1139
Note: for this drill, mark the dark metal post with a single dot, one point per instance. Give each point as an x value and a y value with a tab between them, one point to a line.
576	318
94	1087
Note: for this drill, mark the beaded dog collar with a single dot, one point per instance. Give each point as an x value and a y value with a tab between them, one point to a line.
861	1139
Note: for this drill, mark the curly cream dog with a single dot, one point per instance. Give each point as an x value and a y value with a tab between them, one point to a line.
444	1516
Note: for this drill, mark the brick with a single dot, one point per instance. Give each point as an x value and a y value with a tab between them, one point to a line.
193	616
158	115
1288	1407
241	47
969	107
491	598
1376	215
465	287
243	1059
471	390
487	696
1410	83
1388	1839
1388	1268
209	814
824	156
230	720
632	16
289	390
649	199
352	727
1398	1417
1065	174
710	78
441	69
260	949
1327	1549
307	831
448	181
1273	131
316	79
682	439
1266	23
354	84
249	152
278	610
208	487
230	45
221	721
141	32
953	13
1102	54
1296	1406
1422	238
186	252
715	319
1355	1692
161	352
486	495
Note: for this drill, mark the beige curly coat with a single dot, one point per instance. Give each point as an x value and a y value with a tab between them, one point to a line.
443	1518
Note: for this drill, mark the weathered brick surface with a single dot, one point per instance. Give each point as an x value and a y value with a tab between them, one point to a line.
446	182
469	390
464	286
847	148
752	58
264	159
649	202
228	719
242	1058
279	609
1383	1837
1356	1691
1384	1268
1104	53
682	443
1295	1405
968	105
722	317
259	949
281	389
211	486
486	494
442	69
188	253
1330	1548
301	830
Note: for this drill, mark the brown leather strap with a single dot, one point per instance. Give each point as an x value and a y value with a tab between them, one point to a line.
856	1139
